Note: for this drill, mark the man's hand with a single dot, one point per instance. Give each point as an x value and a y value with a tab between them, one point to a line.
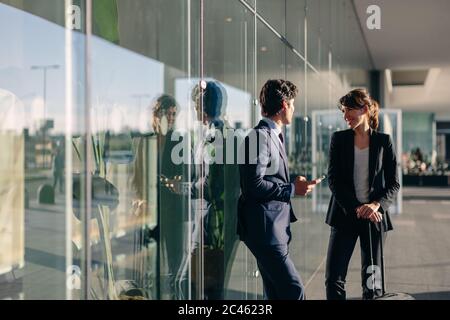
303	187
369	211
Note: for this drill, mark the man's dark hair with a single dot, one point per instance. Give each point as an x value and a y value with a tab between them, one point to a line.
273	93
213	98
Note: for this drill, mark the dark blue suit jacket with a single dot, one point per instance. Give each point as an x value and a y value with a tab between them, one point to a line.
264	206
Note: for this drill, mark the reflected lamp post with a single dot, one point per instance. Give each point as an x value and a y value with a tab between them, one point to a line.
44	68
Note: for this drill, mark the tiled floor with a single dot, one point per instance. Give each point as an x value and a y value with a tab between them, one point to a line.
417	253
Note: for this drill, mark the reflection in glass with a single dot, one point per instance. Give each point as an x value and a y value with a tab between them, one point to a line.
159	229
12	223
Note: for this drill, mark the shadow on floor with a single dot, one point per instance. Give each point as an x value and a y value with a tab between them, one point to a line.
438	295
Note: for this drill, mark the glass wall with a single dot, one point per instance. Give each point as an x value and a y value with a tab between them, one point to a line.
112	111
418	130
37	127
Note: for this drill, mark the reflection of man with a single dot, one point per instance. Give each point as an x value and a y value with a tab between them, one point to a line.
208	191
58	168
264	207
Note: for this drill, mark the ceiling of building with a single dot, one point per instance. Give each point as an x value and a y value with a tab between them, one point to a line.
414	35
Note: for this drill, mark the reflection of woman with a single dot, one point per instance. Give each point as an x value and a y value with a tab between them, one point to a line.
170	204
363	181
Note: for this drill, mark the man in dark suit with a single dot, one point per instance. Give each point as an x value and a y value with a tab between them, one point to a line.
264	207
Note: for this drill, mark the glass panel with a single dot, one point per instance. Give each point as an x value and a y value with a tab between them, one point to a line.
325	37
295	24
139	114
229	63
271	56
391	122
38	122
313	28
273	12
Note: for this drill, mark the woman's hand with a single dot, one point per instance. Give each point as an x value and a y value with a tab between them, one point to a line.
369	211
375	217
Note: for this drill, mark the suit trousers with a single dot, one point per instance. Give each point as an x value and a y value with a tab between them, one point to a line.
340	248
280	278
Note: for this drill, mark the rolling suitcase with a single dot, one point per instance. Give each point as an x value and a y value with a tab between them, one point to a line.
384	295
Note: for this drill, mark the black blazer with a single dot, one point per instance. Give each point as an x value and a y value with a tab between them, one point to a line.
264	206
383	177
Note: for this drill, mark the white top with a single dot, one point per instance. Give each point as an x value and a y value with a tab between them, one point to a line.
361	174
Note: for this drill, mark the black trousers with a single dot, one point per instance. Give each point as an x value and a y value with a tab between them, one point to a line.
340	249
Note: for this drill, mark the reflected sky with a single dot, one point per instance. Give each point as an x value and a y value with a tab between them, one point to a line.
28	40
118	74
124	83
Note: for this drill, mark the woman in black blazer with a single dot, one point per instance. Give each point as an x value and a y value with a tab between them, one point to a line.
363	180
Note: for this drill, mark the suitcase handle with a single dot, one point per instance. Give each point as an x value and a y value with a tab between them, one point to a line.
379	228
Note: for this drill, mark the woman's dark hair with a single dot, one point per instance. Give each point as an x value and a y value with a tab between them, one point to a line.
357	99
163	103
272	95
